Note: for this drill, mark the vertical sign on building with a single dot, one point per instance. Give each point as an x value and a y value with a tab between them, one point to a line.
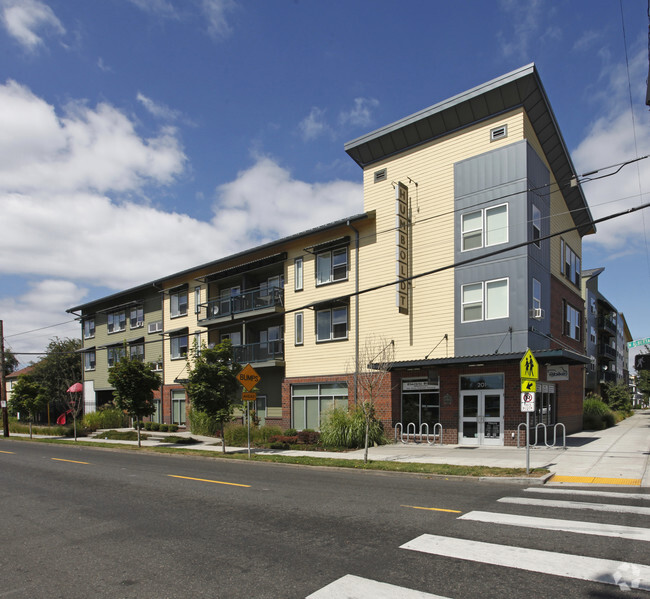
402	227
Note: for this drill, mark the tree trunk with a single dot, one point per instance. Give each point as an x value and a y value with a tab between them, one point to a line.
223	438
365	452
138	427
30	428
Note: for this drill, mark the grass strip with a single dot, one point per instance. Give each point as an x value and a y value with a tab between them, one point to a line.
377	465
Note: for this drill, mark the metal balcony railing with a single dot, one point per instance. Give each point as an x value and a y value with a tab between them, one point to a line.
607	324
259	352
607	350
247	301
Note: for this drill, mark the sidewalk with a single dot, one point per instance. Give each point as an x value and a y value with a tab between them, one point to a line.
616	456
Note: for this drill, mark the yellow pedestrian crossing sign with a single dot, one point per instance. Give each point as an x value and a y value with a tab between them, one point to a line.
528	367
528	386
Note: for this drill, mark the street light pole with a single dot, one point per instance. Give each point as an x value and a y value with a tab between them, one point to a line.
3	385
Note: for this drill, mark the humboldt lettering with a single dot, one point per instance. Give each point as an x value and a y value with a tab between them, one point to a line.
402	243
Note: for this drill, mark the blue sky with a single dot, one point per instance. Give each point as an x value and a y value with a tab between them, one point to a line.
142	137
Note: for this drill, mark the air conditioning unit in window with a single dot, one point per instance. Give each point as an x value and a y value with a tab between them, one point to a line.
536	313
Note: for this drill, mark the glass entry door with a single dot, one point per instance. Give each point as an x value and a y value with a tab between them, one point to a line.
481	418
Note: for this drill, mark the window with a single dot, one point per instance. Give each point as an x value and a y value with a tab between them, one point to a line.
178	406
137	317
572	322
178	303
332	324
297	274
114	354
310	403
89	328
298	325
89	360
537	294
136	351
537	226
116	321
332	266
178	346
487	300
155	327
592	335
570	264
197	343
491	223
197	300
235	338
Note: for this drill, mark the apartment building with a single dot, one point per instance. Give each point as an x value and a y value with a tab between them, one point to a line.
467	254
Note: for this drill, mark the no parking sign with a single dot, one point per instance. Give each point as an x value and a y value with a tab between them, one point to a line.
527	402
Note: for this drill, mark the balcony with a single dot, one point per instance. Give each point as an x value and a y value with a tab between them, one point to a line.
607	351
608	324
607	377
257	301
269	353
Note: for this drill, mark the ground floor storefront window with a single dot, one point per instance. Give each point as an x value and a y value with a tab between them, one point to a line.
420	405
178	407
310	403
481	409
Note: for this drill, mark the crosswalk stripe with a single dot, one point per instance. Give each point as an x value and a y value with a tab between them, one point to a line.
578	505
613	494
355	587
635	576
632	533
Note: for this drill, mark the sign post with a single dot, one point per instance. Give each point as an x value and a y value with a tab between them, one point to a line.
529	372
248	378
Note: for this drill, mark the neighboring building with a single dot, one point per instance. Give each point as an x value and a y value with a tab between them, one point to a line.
469	203
12	378
607	335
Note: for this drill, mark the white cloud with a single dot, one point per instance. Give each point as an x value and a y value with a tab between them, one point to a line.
84	149
24	20
611	139
313	125
157	7
214	12
361	113
525	22
158	110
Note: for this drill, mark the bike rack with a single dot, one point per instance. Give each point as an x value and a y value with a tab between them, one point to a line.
519	432
545	429
418	437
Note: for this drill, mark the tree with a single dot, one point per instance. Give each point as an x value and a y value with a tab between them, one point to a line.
134	382
11	362
375	361
28	395
643	384
59	370
618	396
212	383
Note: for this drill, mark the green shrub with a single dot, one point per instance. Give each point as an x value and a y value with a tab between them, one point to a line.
121	435
19	428
236	435
264	433
164	428
179	440
597	415
109	417
291	432
203	424
347	429
147	426
172	428
155	426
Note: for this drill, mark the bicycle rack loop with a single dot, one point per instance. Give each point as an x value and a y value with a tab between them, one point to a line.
545	428
418	436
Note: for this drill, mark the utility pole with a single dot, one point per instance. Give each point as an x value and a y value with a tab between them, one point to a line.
3	385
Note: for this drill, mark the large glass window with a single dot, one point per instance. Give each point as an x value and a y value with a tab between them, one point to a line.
571	266
114	354
572	322
116	321
332	266
332	324
136	317
496	299
310	403
136	351
89	360
178	303
420	404
178	406
484	227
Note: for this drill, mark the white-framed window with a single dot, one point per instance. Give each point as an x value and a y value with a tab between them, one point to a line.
537	226
570	264
572	322
89	360
114	354
332	266
537	294
311	402
178	303
178	346
155	327
332	324
298	273
197	300
487	300
178	406
89	328
136	317
298	326
234	336
136	351
116	321
483	228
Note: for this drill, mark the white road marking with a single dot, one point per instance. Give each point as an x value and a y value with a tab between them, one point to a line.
578	505
632	533
355	587
636	576
613	494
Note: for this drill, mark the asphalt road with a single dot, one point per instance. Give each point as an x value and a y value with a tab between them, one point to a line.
87	522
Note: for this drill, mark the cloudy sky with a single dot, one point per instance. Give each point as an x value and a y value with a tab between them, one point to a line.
143	137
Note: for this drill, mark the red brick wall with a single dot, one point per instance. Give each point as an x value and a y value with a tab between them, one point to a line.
560	292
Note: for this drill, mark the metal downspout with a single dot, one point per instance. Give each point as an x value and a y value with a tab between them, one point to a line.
356	311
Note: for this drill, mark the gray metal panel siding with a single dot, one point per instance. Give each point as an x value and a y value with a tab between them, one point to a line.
503	176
